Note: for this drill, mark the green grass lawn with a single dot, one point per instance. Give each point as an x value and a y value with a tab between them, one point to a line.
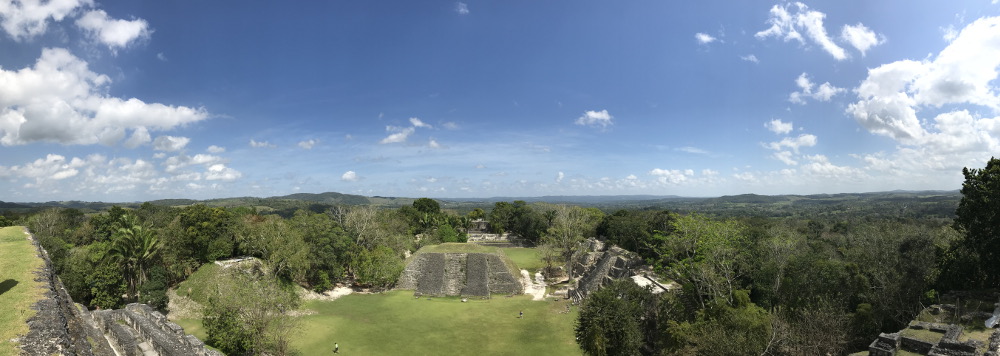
18	289
525	257
396	323
196	286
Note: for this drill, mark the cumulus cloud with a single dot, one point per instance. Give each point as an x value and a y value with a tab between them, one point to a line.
29	18
559	177
750	58
462	8
170	143
219	171
433	144
261	144
961	74
779	127
307	144
786	157
114	33
694	150
671	176
140	136
789	21
60	100
860	37
600	119
98	175
349	176
824	92
804	140
704	38
215	149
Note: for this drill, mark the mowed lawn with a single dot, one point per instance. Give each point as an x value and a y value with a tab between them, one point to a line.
525	257
18	289
396	323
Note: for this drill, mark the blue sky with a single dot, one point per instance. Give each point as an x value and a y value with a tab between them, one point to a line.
142	100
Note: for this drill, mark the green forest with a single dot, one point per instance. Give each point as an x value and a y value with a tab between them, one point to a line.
758	275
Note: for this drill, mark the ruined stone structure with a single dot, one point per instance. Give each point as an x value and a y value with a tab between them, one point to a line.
595	265
140	330
454	274
937	338
62	327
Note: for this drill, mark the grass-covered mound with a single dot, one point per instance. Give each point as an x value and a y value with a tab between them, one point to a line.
18	288
396	323
458	247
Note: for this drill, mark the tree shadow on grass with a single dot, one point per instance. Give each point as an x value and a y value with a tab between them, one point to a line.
7	285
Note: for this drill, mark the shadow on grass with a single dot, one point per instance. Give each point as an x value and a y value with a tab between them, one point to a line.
7	285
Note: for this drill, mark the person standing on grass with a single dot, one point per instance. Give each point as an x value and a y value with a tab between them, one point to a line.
336	348
520	314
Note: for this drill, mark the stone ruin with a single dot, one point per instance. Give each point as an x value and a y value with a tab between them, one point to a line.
458	274
62	327
596	265
139	330
937	339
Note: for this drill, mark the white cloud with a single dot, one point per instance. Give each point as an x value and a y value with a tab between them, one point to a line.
750	58
961	74
170	143
349	176
60	100
787	24
860	37
219	171
779	127
29	18
559	177
215	149
433	144
140	136
462	8
114	33
693	150
825	92
595	118
162	57
400	135
307	144
804	140
786	157
417	123
450	125
671	176
261	144
704	38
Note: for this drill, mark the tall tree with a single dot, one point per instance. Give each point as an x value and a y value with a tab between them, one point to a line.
134	248
979	219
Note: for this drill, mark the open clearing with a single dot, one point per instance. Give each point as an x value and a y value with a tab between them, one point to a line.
18	288
397	323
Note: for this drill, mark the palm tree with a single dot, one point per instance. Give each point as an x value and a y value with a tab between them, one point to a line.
134	247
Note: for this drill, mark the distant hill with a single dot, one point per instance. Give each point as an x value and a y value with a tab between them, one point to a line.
5	205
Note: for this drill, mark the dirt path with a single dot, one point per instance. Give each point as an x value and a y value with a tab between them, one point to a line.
534	288
328	295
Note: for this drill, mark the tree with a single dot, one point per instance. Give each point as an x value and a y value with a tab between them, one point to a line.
615	320
133	248
703	254
978	218
427	206
246	315
378	267
569	226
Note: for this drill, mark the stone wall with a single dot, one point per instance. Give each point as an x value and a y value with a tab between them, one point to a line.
62	327
58	327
